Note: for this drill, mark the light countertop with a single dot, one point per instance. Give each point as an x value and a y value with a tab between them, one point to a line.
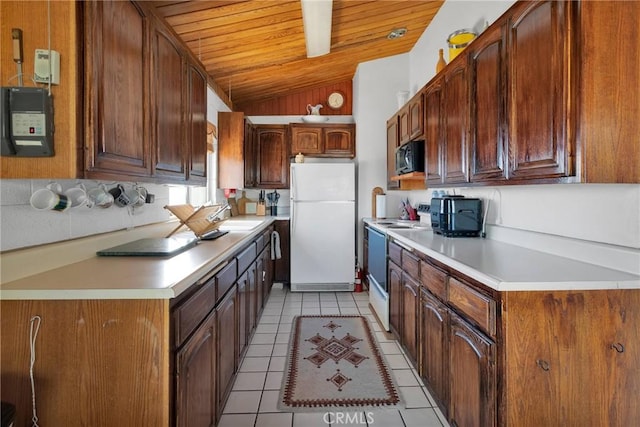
508	267
133	277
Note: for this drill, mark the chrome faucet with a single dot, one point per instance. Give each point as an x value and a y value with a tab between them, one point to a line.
214	216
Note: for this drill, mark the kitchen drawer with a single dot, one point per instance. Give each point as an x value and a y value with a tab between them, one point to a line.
259	242
478	308
226	278
395	253
246	257
434	280
411	264
266	236
188	315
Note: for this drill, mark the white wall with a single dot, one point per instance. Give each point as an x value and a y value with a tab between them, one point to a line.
452	16
214	105
22	226
375	86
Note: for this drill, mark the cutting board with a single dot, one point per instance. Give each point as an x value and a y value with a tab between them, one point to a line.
376	191
160	246
242	203
233	205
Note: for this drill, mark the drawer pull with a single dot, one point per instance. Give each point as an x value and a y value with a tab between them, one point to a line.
543	364
618	347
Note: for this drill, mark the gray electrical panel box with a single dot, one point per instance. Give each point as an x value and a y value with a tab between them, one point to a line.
26	122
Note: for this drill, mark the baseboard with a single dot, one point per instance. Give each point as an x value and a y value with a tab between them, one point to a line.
321	287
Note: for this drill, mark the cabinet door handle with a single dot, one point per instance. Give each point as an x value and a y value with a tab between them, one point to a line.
543	364
618	347
411	289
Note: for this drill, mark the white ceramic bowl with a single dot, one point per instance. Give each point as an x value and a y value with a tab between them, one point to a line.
314	118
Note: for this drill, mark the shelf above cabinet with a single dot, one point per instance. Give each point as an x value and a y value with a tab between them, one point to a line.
410	181
413	176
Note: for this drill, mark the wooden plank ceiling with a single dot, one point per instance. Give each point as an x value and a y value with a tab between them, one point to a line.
255	50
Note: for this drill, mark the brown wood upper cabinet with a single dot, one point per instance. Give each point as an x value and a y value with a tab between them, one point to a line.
328	140
234	145
411	119
197	124
170	153
433	132
392	143
534	81
403	124
269	163
146	117
487	124
250	153
456	112
118	117
540	99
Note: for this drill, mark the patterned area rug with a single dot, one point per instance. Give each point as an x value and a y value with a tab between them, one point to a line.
335	361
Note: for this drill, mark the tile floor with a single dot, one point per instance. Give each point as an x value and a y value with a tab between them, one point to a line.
253	399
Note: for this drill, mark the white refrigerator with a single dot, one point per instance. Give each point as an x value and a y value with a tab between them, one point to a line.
323	218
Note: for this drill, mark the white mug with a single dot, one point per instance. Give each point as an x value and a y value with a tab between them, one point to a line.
100	196
49	198
137	195
78	196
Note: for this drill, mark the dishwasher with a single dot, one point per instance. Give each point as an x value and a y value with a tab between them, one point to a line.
377	275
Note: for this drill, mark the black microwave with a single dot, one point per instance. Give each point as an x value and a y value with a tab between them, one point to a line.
410	157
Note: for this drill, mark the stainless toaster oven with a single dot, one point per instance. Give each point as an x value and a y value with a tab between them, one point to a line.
456	216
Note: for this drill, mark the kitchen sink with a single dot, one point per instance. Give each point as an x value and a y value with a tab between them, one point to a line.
239	225
402	225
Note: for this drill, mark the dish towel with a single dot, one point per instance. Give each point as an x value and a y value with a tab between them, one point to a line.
275	245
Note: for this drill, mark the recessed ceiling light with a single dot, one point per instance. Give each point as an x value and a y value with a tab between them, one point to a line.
397	33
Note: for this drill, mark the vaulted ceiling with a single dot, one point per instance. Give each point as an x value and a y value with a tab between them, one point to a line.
255	50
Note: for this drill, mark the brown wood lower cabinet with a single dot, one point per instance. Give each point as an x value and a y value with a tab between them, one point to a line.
410	303
147	362
434	347
394	283
196	373
410	306
517	358
472	376
226	347
578	362
282	266
264	282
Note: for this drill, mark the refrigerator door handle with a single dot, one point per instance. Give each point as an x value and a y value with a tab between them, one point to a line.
293	216
293	198
293	183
